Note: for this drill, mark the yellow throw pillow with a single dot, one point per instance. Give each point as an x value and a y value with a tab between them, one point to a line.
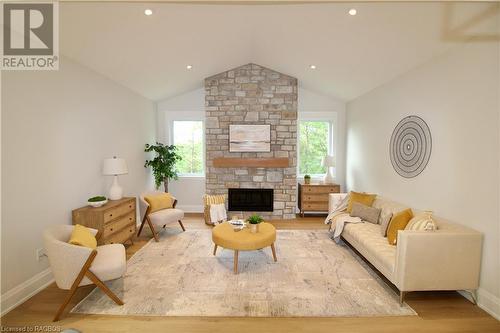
398	222
159	201
82	236
362	198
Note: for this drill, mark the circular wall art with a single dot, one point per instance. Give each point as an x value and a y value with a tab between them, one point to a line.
411	145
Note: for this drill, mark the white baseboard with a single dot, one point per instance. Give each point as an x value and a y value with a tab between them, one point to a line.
191	208
25	290
486	301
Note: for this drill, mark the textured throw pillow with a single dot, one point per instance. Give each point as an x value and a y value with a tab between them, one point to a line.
159	201
422	221
363	198
82	236
366	213
398	222
385	219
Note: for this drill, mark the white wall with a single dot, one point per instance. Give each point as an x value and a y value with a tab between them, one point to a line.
57	127
191	105
457	95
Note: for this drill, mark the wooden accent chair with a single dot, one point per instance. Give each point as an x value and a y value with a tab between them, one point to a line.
74	266
211	200
160	218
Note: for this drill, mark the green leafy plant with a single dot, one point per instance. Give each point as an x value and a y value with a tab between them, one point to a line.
97	199
164	163
255	219
307	177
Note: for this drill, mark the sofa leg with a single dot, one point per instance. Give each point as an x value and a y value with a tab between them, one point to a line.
401	297
473	296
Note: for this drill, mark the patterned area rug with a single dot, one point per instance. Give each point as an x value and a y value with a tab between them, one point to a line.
314	277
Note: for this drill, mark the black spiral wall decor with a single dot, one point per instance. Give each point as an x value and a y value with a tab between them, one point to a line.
411	146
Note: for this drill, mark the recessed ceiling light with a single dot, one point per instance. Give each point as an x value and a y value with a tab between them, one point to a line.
189	67
148	12
312	66
352	11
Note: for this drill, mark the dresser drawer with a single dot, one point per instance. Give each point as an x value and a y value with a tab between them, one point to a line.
121	236
316	206
320	189
314	197
118	211
118	224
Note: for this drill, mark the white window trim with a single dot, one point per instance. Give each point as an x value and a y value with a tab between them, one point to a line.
331	118
171	142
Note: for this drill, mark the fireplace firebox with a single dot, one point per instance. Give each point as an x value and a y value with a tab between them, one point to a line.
250	199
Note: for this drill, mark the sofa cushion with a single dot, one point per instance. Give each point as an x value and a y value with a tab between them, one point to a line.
398	222
363	198
165	216
366	213
389	208
372	245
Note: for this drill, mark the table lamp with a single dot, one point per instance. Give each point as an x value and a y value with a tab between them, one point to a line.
328	162
114	167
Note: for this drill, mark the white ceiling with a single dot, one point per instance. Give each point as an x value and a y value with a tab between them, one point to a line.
353	54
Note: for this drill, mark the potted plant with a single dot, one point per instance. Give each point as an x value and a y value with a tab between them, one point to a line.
163	164
97	201
307	179
254	222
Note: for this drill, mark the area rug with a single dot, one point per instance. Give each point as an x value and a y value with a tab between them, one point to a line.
314	277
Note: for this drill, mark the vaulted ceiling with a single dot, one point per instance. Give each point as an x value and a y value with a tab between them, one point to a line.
352	54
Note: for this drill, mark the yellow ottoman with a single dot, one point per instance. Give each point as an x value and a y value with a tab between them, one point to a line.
223	235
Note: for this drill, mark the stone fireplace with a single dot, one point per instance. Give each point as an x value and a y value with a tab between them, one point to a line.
254	95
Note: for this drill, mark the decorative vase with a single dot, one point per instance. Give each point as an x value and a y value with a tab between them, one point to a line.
254	228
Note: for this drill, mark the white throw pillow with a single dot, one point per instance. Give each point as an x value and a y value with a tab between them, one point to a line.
422	221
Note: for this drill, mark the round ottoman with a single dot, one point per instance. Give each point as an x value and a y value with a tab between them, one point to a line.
223	235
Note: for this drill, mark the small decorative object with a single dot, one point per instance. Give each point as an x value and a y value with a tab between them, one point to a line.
411	146
328	162
97	201
254	222
307	179
114	167
164	163
249	138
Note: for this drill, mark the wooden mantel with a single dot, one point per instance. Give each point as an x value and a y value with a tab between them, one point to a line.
232	162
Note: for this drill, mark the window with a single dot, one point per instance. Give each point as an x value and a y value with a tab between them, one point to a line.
188	137
314	144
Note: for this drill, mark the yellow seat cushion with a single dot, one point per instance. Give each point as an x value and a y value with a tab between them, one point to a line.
362	198
82	236
159	202
398	222
224	235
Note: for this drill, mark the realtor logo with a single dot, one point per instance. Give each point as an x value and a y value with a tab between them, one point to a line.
30	36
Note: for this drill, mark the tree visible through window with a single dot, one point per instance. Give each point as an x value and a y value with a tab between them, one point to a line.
188	137
313	146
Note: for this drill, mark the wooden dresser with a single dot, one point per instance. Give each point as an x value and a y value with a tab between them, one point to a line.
314	197
115	220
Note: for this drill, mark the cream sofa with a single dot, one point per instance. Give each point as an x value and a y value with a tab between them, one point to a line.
446	259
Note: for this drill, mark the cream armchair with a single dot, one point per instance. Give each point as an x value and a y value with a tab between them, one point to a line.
74	266
160	218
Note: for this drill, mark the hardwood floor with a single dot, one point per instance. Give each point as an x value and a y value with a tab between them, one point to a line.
437	311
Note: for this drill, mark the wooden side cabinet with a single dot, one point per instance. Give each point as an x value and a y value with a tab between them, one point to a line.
314	197
116	220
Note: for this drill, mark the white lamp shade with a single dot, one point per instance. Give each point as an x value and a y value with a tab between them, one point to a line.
328	161
114	166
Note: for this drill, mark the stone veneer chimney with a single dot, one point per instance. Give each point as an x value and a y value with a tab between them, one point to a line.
252	94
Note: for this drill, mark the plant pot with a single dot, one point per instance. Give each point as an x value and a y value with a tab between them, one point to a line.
307	180
254	228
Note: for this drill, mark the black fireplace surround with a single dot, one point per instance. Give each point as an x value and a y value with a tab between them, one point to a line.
250	199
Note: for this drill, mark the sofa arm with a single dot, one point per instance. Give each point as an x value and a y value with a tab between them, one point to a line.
334	199
434	260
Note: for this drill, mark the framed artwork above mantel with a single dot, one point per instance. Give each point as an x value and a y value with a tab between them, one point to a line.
249	138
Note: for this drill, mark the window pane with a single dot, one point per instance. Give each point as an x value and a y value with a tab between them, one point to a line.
313	146
188	137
